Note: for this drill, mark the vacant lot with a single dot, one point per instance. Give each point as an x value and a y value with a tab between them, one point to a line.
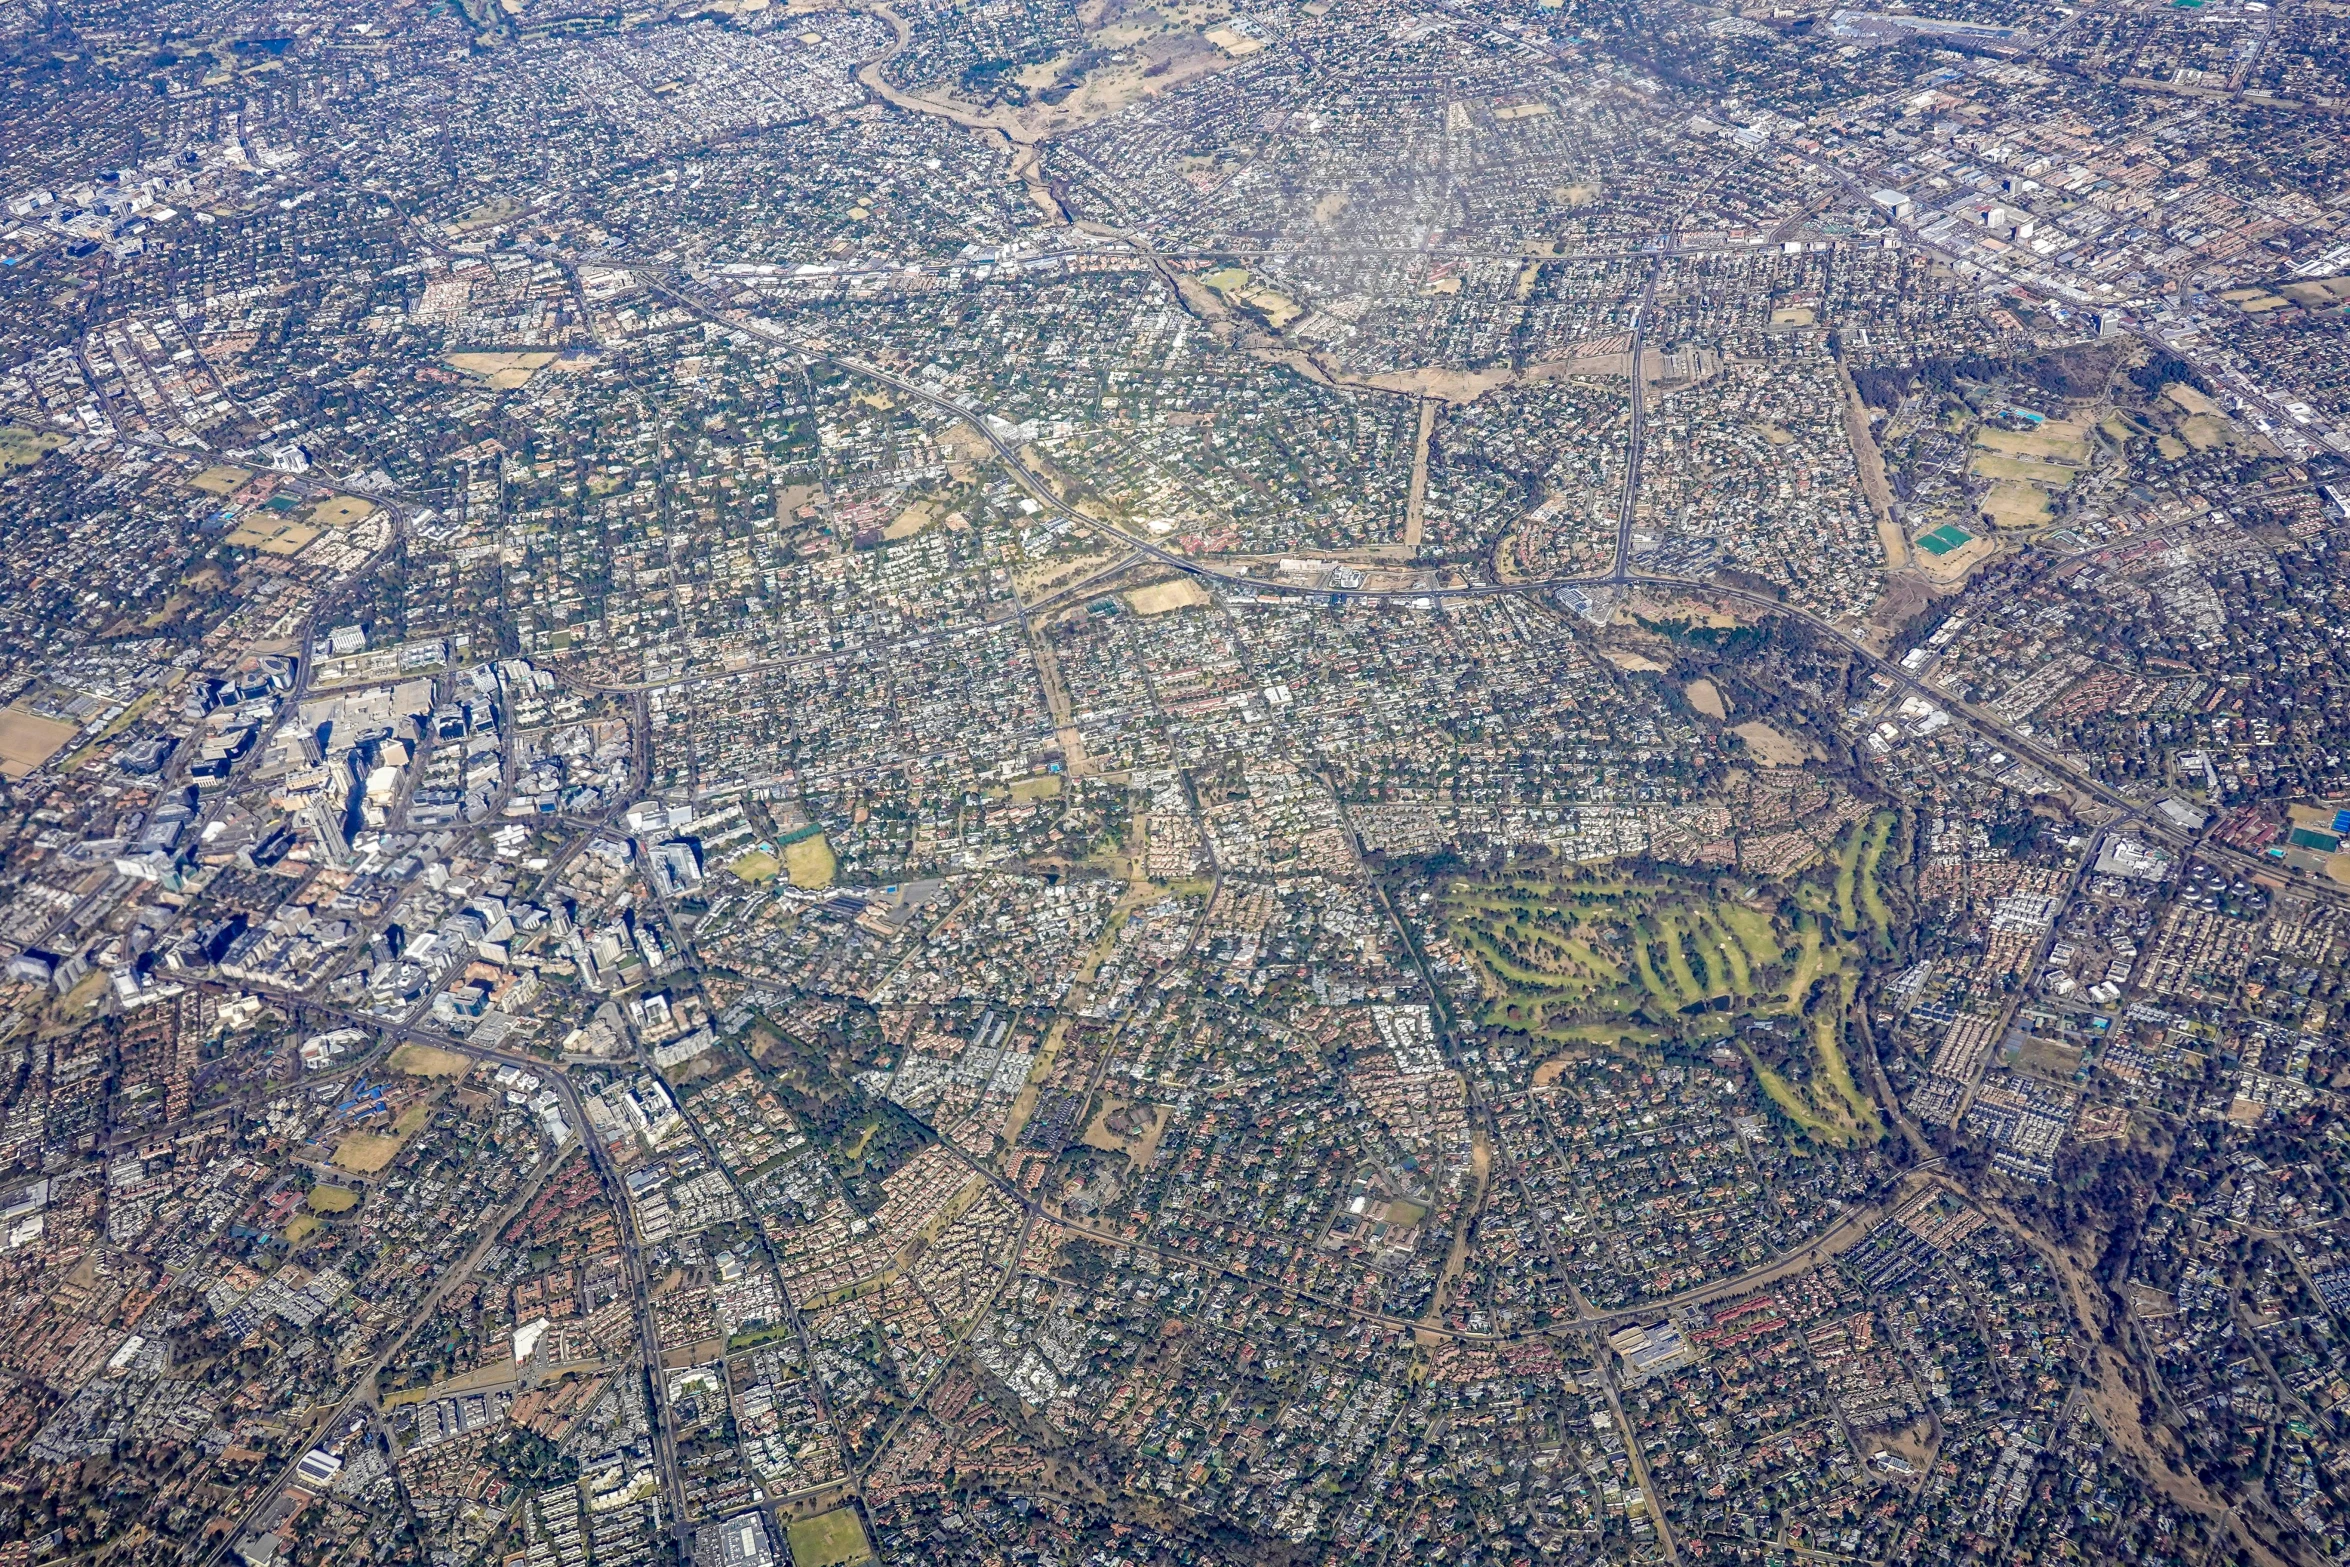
429	1061
1162	597
504	372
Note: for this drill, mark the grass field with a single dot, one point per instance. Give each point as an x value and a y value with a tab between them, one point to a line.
2053	440
756	866
833	1539
2187	399
2015	504
219	480
428	1061
1580	957
332	1199
1769	746
809	861
1045	786
2204	432
21	447
341	511
271	534
1233	284
366	1153
2022	470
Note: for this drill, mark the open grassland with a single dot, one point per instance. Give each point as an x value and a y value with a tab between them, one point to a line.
2055	440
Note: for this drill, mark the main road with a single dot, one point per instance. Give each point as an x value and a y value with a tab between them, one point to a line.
1629	506
663	282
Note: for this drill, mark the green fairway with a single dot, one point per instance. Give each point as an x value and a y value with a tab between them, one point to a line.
1857	895
1872	896
1570	958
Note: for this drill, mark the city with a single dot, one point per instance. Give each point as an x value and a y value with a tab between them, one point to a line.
1130	782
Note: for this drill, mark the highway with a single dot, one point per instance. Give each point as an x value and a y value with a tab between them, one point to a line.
1629	507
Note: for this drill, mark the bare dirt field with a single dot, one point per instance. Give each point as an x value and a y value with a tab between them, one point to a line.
1162	598
1135	1132
27	740
504	372
1772	747
429	1061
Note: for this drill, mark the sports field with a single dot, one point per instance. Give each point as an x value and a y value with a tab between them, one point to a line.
833	1539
